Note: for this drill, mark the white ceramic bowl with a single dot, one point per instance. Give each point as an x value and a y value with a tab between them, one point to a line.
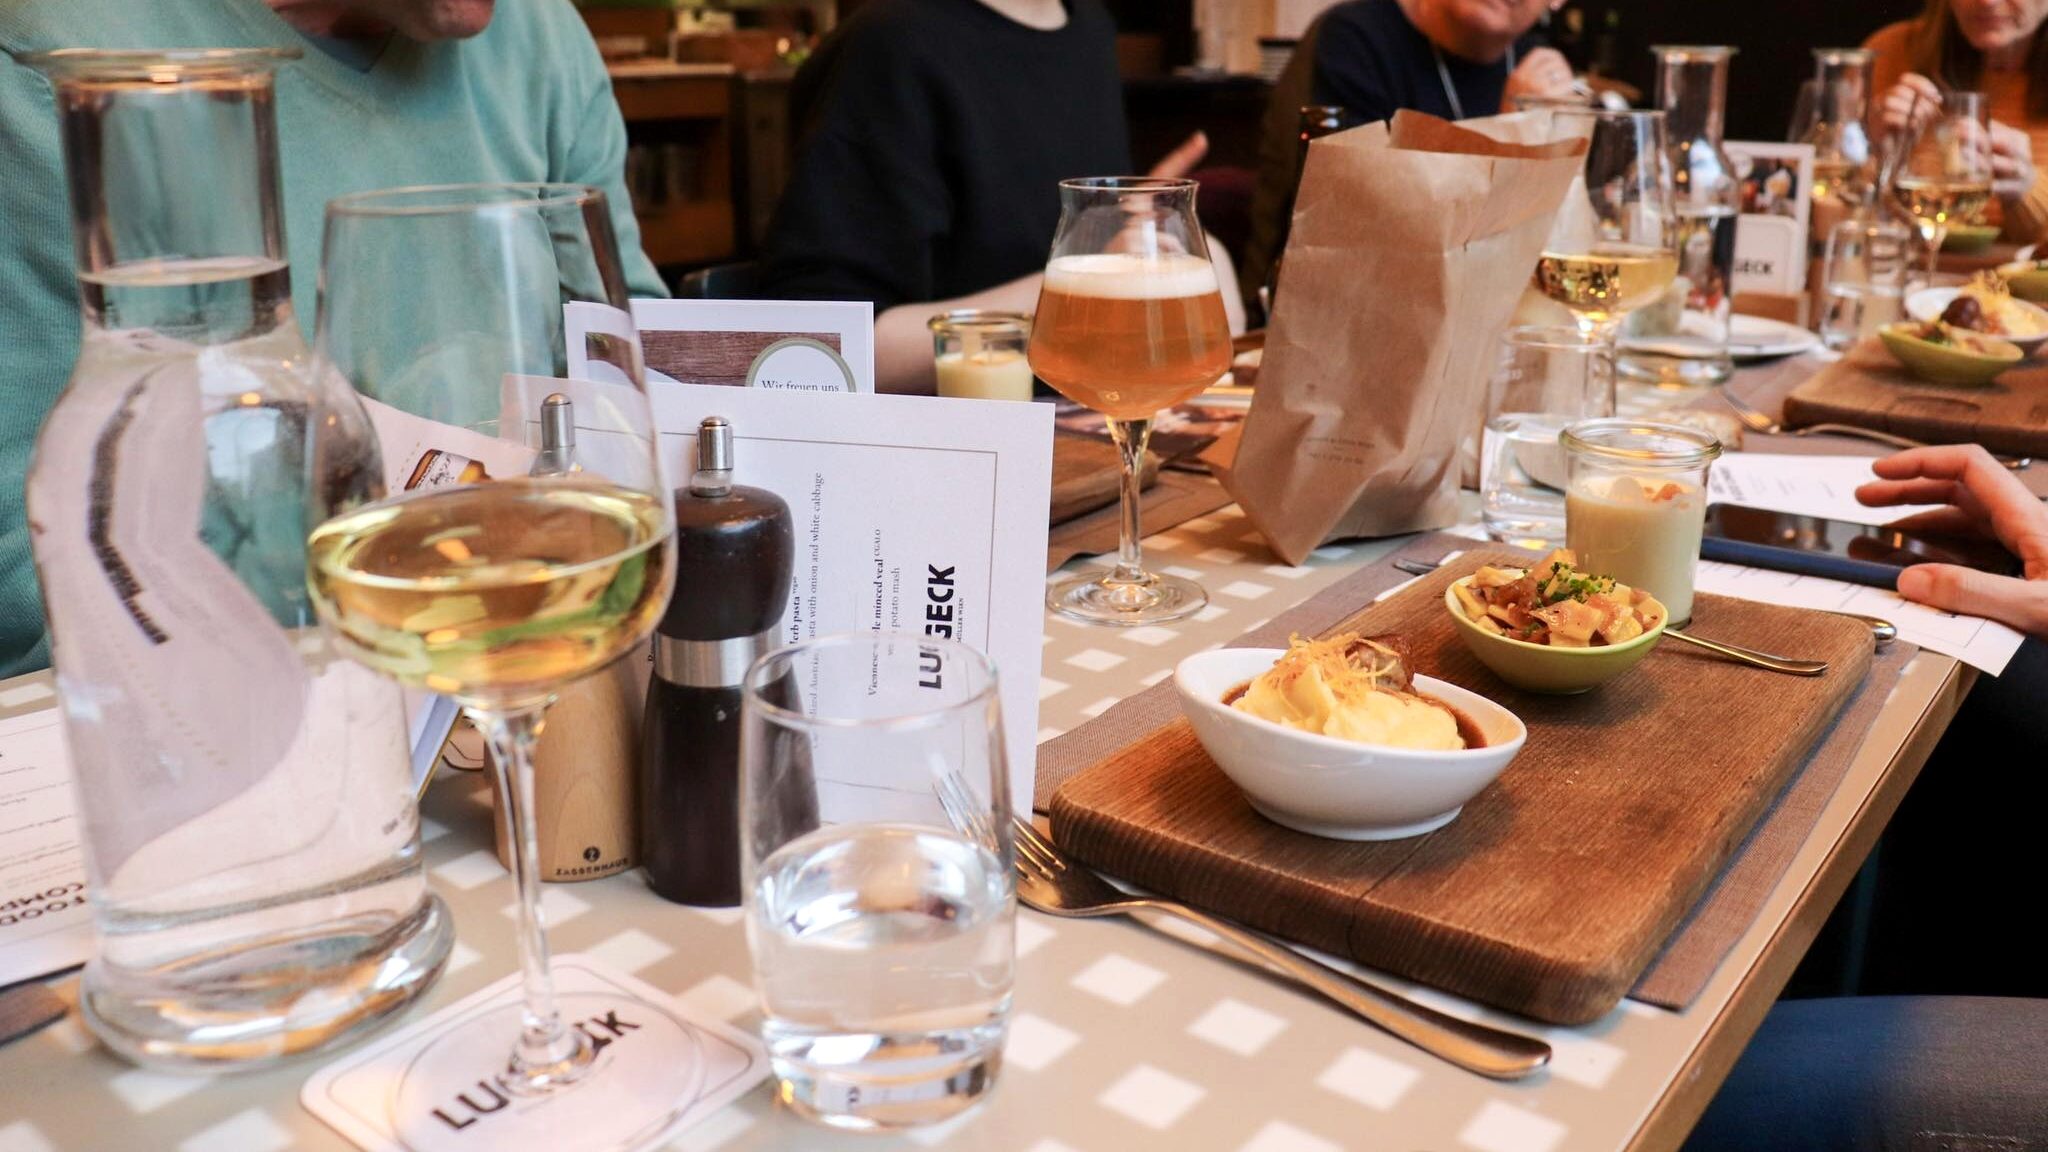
1338	788
1929	303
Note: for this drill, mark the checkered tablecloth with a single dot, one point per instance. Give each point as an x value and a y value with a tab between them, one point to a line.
1124	1039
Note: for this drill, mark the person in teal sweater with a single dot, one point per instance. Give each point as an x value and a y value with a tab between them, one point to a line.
389	92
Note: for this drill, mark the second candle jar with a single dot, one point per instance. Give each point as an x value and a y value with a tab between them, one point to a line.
734	550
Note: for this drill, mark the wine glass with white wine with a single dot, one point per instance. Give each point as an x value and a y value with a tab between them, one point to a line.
1612	248
498	587
1943	175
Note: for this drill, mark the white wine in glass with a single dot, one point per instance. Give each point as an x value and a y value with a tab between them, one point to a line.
1608	282
499	592
1944	175
1613	245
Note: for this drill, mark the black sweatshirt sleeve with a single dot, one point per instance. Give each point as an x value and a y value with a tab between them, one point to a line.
865	198
1350	69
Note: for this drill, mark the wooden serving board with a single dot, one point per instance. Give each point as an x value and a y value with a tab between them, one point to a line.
1558	885
1868	389
1086	473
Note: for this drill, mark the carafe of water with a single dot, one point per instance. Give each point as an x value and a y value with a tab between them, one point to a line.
249	823
1683	340
1841	145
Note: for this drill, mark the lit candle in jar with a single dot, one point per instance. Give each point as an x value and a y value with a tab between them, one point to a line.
980	355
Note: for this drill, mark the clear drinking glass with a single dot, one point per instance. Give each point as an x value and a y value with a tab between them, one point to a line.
499	591
1544	380
1129	321
1682	340
1610	247
1943	174
247	811
1864	278
1636	504
979	354
881	907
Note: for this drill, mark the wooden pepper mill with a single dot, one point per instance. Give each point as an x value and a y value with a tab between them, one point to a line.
585	766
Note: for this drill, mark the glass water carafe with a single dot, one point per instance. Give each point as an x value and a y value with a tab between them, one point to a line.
1682	341
1842	173
250	826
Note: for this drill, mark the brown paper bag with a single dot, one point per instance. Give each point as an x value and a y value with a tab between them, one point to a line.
1411	243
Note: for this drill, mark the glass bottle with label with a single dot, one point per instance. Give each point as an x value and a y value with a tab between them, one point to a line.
247	807
1682	341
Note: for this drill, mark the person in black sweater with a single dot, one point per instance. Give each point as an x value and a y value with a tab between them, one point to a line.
932	137
1372	58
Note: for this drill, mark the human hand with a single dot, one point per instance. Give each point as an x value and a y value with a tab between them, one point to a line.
1984	500
1182	160
1910	104
1543	74
2012	162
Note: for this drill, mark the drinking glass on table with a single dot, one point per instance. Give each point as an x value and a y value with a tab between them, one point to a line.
1130	321
1636	504
1612	247
1864	278
1544	379
1942	175
881	906
494	588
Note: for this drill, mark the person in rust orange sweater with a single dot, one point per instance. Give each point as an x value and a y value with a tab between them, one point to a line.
1992	46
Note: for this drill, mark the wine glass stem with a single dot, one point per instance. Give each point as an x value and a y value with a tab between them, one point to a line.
1935	236
1131	437
548	1053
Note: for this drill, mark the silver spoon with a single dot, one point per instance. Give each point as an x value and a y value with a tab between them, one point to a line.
1881	630
1751	656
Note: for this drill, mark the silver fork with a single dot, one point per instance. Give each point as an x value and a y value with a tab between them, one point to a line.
1049	882
1759	421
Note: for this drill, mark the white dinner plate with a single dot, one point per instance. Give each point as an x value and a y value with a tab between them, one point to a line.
1749	338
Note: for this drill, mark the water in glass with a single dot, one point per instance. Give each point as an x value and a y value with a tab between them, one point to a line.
885	954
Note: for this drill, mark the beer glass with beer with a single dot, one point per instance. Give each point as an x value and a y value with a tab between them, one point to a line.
1130	321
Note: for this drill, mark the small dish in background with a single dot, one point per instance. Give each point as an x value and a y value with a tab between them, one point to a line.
1949	362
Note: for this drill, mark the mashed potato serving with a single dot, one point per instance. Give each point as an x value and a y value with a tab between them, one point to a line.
1353	689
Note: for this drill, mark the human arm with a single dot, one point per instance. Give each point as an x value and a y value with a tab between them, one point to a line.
593	151
1908	104
1982	499
1543	74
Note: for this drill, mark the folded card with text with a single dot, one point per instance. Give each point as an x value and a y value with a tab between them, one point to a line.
790	345
912	513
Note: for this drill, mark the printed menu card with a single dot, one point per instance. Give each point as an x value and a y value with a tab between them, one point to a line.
912	513
787	345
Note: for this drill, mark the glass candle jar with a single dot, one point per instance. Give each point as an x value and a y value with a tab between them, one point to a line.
980	354
1635	503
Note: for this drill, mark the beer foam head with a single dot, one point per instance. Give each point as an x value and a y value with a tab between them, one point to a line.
1130	276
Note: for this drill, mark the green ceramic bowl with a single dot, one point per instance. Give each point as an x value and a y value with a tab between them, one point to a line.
1945	363
1969	237
2028	279
1541	668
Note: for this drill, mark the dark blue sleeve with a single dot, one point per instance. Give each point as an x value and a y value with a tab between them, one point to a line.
1350	68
